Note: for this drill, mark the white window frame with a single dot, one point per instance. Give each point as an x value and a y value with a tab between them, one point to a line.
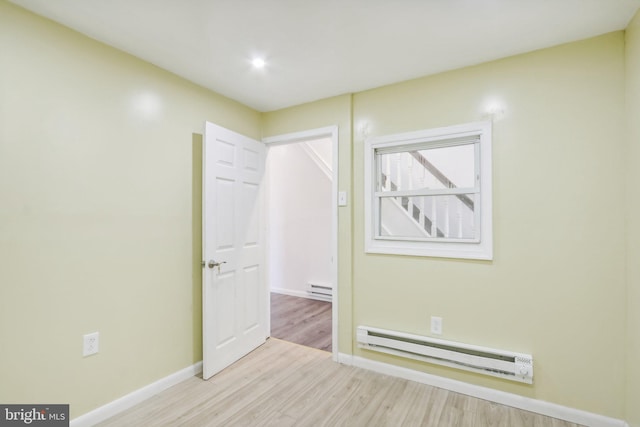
481	247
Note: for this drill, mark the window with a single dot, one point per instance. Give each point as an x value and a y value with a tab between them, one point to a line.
428	193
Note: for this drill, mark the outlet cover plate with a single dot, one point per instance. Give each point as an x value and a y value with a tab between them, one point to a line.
90	344
436	325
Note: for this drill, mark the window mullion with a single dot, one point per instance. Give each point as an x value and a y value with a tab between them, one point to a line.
427	192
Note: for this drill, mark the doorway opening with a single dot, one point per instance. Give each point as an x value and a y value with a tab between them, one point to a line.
301	176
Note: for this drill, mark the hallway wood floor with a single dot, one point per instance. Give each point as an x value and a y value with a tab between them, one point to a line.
302	321
284	384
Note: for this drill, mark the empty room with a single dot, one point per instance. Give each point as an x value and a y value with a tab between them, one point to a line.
474	233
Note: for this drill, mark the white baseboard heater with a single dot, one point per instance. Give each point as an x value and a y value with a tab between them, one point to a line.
323	292
497	363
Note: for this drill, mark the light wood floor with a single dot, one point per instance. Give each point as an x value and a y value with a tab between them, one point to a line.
301	320
284	384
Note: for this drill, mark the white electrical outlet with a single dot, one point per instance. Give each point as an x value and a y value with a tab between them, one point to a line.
90	344
436	325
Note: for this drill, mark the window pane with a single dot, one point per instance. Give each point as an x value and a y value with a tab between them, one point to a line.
428	168
428	217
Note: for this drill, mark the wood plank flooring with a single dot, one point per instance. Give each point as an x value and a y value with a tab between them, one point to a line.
284	384
302	321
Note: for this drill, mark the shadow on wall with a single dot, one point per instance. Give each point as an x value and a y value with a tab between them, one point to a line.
196	242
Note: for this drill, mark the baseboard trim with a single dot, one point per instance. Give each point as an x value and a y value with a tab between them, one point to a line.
345	359
509	399
293	293
125	402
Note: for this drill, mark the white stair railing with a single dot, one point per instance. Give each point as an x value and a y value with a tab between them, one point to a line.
441	216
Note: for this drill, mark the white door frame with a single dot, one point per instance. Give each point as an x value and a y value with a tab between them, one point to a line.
309	135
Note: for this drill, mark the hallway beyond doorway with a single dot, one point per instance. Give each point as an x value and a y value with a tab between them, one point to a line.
302	321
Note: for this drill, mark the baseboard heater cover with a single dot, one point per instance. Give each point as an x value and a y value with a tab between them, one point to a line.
324	292
497	363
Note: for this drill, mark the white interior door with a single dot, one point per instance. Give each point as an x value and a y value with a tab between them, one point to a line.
234	293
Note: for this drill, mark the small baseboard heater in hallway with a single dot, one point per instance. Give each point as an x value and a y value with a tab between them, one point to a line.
323	292
497	363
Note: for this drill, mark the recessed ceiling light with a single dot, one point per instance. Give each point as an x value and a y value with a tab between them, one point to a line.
258	63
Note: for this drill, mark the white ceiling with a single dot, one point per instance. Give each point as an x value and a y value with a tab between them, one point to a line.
320	48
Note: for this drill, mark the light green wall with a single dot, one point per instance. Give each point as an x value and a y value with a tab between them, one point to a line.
557	282
556	286
633	220
99	215
328	112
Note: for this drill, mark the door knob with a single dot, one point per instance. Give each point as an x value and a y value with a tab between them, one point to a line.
212	264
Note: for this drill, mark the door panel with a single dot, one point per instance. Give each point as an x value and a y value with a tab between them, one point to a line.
235	297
